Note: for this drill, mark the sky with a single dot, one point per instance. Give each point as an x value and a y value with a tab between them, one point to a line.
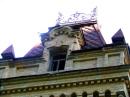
22	21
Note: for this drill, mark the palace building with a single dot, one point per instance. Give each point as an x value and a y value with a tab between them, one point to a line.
72	60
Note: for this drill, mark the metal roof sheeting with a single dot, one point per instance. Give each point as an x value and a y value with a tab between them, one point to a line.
8	53
36	51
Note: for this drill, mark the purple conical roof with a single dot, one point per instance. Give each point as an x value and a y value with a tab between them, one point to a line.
118	37
36	51
118	34
8	53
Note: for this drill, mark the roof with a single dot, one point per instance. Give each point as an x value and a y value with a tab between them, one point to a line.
44	37
101	48
118	34
36	51
118	37
93	37
8	53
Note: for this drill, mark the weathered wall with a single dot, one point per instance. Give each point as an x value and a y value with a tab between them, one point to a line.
79	61
94	60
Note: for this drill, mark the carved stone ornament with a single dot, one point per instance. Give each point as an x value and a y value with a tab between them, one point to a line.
77	17
65	30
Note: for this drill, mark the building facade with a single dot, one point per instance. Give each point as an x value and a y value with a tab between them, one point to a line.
73	60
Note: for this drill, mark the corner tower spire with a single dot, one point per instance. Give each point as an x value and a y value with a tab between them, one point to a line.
8	53
118	37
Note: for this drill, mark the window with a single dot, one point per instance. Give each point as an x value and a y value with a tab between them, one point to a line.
96	94
84	94
121	94
57	58
58	62
51	96
107	93
62	95
73	95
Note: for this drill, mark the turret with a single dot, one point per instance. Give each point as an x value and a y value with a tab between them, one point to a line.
8	53
118	37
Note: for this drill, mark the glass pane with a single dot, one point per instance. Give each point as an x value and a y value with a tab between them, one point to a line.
62	95
73	95
61	65
58	62
96	94
59	56
54	65
84	94
107	93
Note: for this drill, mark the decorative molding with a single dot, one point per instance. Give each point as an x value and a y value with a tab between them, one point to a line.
64	85
65	30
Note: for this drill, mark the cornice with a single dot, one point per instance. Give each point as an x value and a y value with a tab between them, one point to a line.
104	49
66	85
72	73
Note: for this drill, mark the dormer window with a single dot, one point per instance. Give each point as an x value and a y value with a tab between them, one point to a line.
57	58
58	62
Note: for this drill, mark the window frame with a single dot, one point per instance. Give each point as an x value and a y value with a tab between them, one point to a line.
57	51
58	62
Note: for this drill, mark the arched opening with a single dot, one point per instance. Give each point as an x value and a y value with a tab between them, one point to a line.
96	94
120	95
62	95
84	94
73	95
51	96
107	93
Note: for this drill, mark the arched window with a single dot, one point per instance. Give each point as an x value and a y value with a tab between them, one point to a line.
84	94
96	94
107	93
51	96
121	95
62	95
73	95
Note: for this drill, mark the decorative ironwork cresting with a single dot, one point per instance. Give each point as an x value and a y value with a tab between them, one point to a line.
77	17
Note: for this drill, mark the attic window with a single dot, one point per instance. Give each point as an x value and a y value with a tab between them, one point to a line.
57	58
58	62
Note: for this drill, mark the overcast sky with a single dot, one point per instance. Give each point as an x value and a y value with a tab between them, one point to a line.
21	21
